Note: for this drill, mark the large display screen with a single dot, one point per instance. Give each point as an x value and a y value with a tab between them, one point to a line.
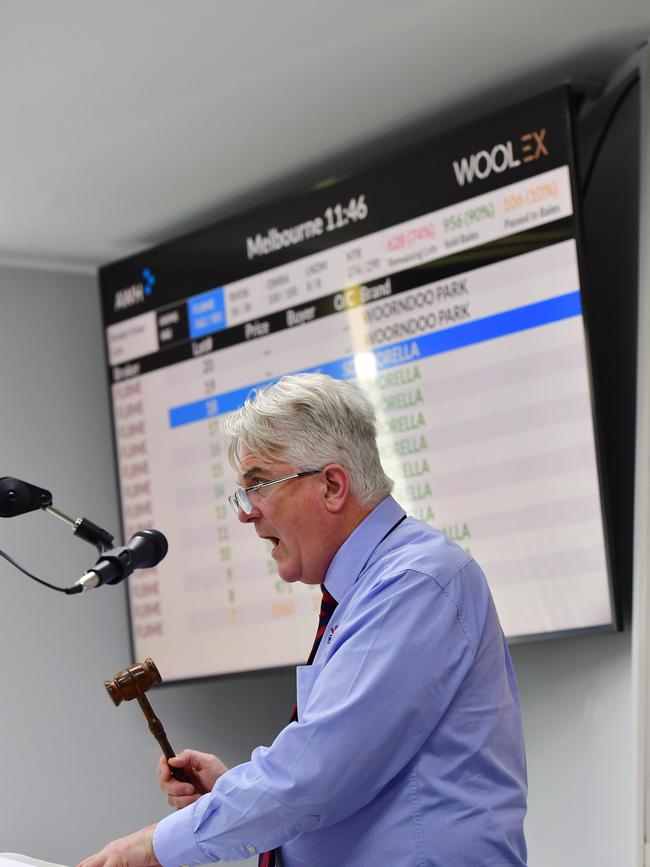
447	283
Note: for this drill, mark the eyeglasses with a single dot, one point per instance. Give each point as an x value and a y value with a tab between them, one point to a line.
241	500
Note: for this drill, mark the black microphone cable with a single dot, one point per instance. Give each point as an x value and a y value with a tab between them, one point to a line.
145	549
76	588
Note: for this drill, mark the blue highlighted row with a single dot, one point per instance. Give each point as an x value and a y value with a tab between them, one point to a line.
206	313
404	352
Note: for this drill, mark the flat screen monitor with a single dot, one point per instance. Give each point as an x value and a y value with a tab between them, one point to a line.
447	282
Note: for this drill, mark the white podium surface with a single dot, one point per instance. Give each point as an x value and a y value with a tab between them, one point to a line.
12	859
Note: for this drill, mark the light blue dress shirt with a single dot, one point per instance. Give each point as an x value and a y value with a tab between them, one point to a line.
408	750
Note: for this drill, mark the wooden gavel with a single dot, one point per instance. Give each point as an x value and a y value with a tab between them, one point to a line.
132	683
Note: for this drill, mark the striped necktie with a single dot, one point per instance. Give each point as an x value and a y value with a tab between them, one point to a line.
327	606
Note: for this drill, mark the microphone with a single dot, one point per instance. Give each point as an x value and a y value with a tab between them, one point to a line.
144	549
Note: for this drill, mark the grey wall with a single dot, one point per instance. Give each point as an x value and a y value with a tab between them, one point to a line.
577	706
72	767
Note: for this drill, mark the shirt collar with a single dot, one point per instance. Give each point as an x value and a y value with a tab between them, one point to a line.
354	553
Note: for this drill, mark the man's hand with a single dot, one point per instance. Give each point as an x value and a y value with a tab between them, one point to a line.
136	850
204	767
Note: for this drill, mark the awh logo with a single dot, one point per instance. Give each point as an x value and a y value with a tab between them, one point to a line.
503	156
136	293
129	297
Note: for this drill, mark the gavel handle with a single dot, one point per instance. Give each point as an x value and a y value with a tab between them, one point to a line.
157	730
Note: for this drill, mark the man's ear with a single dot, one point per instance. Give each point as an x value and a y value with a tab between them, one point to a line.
337	487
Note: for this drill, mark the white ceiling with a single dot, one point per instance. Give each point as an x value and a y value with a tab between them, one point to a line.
126	122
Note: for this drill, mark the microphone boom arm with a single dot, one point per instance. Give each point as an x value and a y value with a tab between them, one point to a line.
18	498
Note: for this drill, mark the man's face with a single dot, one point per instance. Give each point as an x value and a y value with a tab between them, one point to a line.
290	515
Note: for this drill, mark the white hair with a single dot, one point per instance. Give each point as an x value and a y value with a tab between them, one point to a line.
309	420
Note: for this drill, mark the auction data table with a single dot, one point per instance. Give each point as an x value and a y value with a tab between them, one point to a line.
481	385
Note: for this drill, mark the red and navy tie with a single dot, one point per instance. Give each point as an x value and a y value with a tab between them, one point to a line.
327	606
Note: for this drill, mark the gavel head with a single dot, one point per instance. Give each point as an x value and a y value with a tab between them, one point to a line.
133	681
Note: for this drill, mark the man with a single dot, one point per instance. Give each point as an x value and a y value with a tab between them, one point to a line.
407	748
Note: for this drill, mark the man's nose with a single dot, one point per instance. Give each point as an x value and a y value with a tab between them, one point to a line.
247	518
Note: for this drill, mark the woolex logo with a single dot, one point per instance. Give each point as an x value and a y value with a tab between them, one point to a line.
505	155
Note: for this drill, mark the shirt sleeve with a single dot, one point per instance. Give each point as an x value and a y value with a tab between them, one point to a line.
396	663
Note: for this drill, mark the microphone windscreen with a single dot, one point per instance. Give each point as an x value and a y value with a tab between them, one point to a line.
148	548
